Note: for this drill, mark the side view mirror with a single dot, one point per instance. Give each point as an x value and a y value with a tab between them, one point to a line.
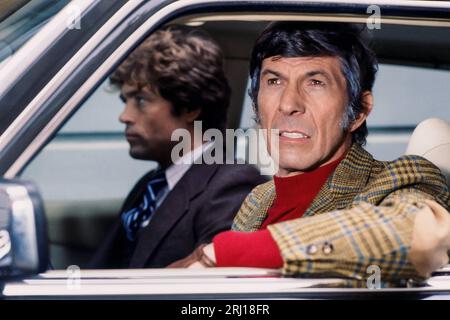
23	232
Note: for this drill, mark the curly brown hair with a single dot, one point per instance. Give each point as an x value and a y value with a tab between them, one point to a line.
185	67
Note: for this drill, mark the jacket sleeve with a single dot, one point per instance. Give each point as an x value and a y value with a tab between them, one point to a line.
346	242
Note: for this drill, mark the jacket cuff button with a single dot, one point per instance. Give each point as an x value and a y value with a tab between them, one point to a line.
327	248
311	249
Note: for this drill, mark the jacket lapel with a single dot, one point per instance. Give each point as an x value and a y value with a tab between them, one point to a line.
253	210
348	180
170	212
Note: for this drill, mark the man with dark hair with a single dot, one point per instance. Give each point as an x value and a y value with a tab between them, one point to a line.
175	77
331	210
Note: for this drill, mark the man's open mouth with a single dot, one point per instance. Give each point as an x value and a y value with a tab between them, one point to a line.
294	135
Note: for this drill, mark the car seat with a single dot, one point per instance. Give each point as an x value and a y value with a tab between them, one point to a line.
431	140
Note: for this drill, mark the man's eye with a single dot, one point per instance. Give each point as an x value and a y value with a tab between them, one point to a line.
274	81
140	101
315	82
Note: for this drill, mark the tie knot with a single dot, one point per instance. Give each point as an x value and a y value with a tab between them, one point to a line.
134	218
157	183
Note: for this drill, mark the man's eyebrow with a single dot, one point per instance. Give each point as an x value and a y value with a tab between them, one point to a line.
270	71
321	72
128	94
311	73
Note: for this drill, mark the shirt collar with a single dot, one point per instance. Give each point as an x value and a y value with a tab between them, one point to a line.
176	171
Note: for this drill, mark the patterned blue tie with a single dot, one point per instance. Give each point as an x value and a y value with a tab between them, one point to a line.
133	219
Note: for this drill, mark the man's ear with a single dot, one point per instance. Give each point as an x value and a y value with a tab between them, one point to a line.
367	103
191	116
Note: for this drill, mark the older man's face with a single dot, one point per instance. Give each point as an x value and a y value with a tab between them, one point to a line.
305	99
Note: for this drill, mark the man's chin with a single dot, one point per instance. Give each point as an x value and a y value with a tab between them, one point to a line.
295	167
138	155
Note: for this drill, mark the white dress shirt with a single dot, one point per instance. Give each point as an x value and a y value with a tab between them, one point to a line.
176	171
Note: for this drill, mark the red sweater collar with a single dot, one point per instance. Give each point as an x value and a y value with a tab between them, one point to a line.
290	191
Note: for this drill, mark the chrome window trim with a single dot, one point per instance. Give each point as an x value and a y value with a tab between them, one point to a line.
62	74
128	43
313	17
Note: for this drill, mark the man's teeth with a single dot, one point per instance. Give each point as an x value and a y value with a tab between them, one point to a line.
294	135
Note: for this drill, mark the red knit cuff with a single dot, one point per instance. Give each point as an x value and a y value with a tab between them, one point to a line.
247	249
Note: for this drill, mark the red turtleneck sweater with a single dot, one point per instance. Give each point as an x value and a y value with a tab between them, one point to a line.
293	196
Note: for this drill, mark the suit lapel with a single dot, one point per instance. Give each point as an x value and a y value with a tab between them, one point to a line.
170	212
348	180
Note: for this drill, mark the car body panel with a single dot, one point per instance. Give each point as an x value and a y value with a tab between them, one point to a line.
214	283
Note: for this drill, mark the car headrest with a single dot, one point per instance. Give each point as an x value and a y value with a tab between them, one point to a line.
431	140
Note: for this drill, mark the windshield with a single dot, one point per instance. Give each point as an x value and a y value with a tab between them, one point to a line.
21	19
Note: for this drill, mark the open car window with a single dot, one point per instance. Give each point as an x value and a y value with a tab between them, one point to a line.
85	171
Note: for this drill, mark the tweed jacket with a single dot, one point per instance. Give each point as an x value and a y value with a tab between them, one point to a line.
362	216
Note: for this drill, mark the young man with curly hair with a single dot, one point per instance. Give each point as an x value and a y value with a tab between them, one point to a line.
175	77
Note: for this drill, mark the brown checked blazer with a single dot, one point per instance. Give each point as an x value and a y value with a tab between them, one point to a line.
363	215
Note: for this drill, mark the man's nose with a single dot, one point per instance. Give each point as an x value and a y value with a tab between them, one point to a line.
291	102
127	114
